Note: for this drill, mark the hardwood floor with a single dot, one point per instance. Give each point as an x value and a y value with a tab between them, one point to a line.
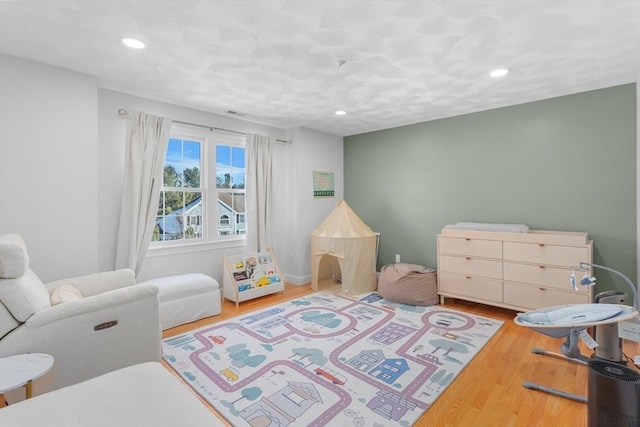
489	391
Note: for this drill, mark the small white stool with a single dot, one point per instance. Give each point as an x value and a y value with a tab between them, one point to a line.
186	298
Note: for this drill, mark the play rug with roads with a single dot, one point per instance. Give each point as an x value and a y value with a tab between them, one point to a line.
326	360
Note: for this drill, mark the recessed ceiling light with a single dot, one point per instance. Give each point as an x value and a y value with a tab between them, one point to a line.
500	72
340	113
133	43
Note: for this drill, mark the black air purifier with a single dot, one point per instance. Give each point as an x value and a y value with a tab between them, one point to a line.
614	395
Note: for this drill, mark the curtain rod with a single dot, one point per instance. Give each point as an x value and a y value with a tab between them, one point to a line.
124	112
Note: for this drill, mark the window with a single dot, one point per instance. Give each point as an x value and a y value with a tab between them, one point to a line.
230	180
294	397
203	188
180	209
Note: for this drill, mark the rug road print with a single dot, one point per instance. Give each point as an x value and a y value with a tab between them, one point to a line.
328	360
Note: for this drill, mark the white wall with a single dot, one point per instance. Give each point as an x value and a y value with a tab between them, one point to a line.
317	151
58	125
48	156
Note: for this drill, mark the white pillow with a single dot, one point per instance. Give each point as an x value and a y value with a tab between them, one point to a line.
65	293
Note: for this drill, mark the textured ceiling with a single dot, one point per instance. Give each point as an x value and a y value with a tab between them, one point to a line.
278	61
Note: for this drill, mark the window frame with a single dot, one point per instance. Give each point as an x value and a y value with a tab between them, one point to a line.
208	139
201	189
233	140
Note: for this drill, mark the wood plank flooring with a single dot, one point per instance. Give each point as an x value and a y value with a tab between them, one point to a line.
489	391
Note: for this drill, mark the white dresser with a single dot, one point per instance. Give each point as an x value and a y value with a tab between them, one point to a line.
519	271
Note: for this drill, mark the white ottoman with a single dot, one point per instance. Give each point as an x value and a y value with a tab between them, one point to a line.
186	298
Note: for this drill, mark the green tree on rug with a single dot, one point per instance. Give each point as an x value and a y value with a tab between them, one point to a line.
445	381
448	346
314	355
436	377
249	393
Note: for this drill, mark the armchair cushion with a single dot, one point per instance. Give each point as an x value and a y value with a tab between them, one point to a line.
14	260
24	295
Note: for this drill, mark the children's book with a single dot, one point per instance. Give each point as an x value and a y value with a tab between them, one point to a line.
251	266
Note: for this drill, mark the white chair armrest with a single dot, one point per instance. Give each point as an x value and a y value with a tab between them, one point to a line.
91	304
93	284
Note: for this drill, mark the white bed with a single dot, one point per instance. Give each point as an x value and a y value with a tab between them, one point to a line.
140	395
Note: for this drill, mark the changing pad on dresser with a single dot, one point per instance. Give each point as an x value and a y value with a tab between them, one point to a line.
479	226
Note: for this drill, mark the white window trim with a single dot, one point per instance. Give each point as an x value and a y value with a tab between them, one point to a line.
194	246
230	140
211	239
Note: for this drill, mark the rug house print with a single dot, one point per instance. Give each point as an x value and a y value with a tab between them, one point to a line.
329	360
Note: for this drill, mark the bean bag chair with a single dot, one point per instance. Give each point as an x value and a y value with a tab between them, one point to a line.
408	284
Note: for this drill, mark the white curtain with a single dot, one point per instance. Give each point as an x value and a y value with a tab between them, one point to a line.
146	146
259	192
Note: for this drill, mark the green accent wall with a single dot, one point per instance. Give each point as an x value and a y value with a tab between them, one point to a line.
566	163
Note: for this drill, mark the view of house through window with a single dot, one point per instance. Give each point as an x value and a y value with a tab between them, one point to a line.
230	185
191	210
180	208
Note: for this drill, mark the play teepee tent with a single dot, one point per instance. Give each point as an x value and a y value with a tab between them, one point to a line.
345	238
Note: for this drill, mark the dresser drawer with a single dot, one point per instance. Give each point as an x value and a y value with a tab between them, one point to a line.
541	275
535	297
470	266
470	247
567	256
468	286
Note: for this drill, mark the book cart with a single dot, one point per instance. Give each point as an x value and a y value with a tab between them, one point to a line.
251	276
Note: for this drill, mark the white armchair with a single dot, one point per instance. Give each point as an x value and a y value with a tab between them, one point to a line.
109	324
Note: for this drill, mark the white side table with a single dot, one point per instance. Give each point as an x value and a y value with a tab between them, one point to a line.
22	369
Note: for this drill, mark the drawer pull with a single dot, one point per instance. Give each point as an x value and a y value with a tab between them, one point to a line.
542	289
541	266
467	239
541	245
468	277
467	257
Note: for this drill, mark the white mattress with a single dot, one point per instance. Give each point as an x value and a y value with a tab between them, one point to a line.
140	395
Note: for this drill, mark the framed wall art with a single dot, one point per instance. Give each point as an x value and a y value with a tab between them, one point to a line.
323	184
